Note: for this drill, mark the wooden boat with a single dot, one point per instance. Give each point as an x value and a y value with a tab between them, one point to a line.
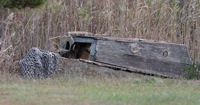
131	55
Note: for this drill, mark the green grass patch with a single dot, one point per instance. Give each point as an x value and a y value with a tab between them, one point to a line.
192	72
21	3
96	91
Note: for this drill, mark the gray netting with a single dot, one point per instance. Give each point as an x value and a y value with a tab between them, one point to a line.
39	64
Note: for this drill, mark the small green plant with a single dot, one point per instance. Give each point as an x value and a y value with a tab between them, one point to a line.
192	72
21	3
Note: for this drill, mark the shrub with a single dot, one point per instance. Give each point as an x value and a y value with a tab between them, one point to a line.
193	71
21	3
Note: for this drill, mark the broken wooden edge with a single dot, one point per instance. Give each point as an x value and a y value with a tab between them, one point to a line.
105	37
82	33
123	39
130	70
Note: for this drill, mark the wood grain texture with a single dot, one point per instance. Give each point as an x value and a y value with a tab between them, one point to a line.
147	57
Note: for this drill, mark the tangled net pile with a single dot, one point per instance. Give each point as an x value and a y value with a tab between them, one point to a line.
39	64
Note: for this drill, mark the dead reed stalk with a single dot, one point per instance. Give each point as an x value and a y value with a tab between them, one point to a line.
174	21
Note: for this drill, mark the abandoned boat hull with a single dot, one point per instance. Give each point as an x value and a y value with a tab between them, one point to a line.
142	56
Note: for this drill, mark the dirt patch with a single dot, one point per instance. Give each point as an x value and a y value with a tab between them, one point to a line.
74	67
4	94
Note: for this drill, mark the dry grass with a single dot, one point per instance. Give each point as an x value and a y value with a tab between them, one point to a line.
167	20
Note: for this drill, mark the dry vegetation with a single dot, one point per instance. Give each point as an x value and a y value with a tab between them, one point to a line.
174	21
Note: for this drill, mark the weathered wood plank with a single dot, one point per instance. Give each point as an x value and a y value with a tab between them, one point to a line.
151	58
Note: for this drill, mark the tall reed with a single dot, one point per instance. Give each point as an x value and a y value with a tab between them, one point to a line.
174	21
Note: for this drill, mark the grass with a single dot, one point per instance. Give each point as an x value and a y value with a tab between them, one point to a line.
98	91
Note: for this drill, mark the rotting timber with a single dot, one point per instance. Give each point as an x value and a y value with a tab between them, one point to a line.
131	55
